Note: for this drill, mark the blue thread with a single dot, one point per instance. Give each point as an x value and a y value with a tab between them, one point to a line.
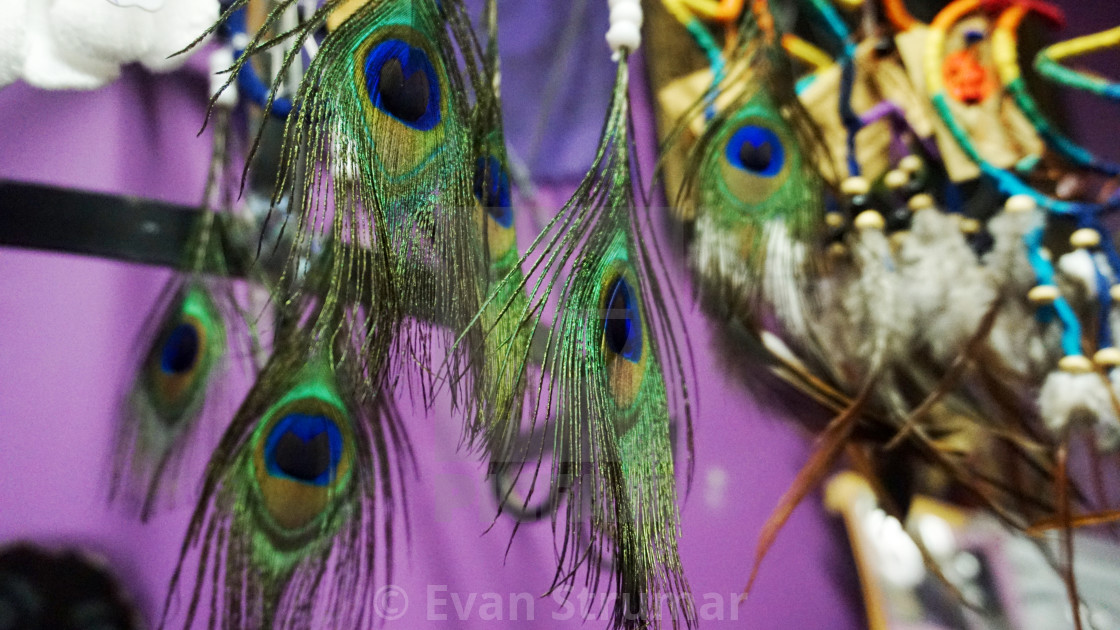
249	83
954	200
1104	308
715	60
305	428
852	122
1044	272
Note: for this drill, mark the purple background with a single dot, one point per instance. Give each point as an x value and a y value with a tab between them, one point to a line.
67	323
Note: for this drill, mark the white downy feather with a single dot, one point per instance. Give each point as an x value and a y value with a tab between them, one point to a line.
942	280
1077	398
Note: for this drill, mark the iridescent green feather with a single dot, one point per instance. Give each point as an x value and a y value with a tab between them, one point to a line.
751	179
378	160
297	506
501	349
180	358
758	199
602	380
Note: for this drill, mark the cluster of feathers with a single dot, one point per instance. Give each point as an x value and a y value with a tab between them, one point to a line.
958	353
960	345
403	271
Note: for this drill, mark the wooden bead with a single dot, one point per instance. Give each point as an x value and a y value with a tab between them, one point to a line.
920	202
1043	294
834	219
970	225
1075	364
896	179
869	220
911	164
855	186
1085	238
1020	203
1107	357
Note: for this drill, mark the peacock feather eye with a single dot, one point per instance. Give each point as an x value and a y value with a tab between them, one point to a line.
402	82
302	455
750	163
181	349
305	448
491	189
182	356
623	346
757	150
622	322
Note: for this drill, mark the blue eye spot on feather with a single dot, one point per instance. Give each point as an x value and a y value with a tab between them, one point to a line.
757	150
402	83
304	448
491	188
622	324
180	350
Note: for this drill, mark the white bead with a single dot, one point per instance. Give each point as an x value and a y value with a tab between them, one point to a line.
624	35
627	12
1020	203
855	186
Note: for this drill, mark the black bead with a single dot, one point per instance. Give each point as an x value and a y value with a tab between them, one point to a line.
898	219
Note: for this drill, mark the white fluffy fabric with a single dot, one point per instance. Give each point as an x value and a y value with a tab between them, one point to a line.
1075	398
81	44
13	39
147	5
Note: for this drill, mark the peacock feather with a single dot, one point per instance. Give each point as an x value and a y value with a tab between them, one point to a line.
298	501
378	160
600	378
498	363
181	358
753	189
